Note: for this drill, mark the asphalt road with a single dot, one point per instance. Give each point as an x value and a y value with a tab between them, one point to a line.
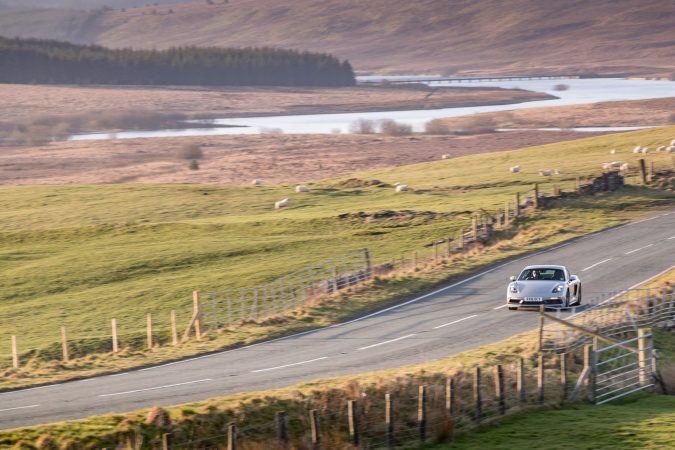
458	317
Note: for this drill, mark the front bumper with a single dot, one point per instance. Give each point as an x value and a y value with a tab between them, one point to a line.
549	302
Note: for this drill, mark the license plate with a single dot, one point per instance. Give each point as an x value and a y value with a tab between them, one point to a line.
533	299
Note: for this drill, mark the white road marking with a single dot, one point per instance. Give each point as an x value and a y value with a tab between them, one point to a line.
156	388
456	321
638	249
387	342
596	264
19	407
643	220
502	306
672	237
289	365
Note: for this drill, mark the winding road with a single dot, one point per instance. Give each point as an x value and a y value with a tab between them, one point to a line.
457	317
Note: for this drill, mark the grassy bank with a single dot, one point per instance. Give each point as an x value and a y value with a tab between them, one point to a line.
646	422
77	256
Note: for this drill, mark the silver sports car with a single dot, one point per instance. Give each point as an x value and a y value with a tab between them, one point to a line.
551	286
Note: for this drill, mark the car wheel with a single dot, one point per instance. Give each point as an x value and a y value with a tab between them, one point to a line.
579	297
567	299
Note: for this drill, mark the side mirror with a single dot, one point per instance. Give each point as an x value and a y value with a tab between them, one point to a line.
512	278
573	278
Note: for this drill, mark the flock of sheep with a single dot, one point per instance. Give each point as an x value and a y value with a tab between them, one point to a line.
622	166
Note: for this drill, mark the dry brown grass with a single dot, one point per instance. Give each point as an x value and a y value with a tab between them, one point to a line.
239	159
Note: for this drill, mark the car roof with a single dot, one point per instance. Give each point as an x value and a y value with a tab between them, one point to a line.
545	266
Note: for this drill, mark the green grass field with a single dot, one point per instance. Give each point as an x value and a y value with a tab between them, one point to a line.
646	422
78	256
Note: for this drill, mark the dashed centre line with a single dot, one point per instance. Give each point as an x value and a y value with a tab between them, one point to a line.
156	388
289	365
638	249
596	264
456	321
19	407
387	342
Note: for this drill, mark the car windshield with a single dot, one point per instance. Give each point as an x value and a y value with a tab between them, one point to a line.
543	274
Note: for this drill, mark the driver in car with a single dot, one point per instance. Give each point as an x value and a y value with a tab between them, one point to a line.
534	275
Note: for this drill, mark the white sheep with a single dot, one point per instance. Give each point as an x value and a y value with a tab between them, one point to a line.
660	148
445	157
301	188
637	149
558	172
545	173
671	149
515	169
257	182
397	184
616	163
624	167
612	151
281	204
401	188
672	143
645	150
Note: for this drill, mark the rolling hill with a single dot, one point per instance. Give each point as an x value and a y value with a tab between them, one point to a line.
396	36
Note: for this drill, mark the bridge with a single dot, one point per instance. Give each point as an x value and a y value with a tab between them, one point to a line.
404	80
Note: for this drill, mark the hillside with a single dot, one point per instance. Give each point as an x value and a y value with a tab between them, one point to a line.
398	36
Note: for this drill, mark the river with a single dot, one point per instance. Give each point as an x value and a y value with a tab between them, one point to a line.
580	91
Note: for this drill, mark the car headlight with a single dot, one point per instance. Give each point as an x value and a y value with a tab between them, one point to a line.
558	289
513	289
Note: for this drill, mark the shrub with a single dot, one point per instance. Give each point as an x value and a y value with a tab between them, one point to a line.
437	127
392	128
671	118
561	87
190	151
194	165
362	126
479	125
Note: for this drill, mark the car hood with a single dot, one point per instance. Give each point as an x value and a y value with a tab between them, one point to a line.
537	288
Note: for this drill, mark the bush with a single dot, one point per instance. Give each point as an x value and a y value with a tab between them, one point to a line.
671	118
194	165
190	151
392	128
479	125
437	127
362	126
561	87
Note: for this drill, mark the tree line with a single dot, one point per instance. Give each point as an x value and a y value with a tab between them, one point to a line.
55	62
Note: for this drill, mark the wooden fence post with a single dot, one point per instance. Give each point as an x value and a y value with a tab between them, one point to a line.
166	441
449	241
541	326
476	395
422	413
389	420
335	279
174	328
450	396
353	422
115	341
232	437
563	375
414	260
507	213
589	367
516	210
197	307
520	381
499	389
461	239
369	264
435	251
314	427
64	345
474	228
643	171
15	353
644	352
540	378
282	428
149	330
536	196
